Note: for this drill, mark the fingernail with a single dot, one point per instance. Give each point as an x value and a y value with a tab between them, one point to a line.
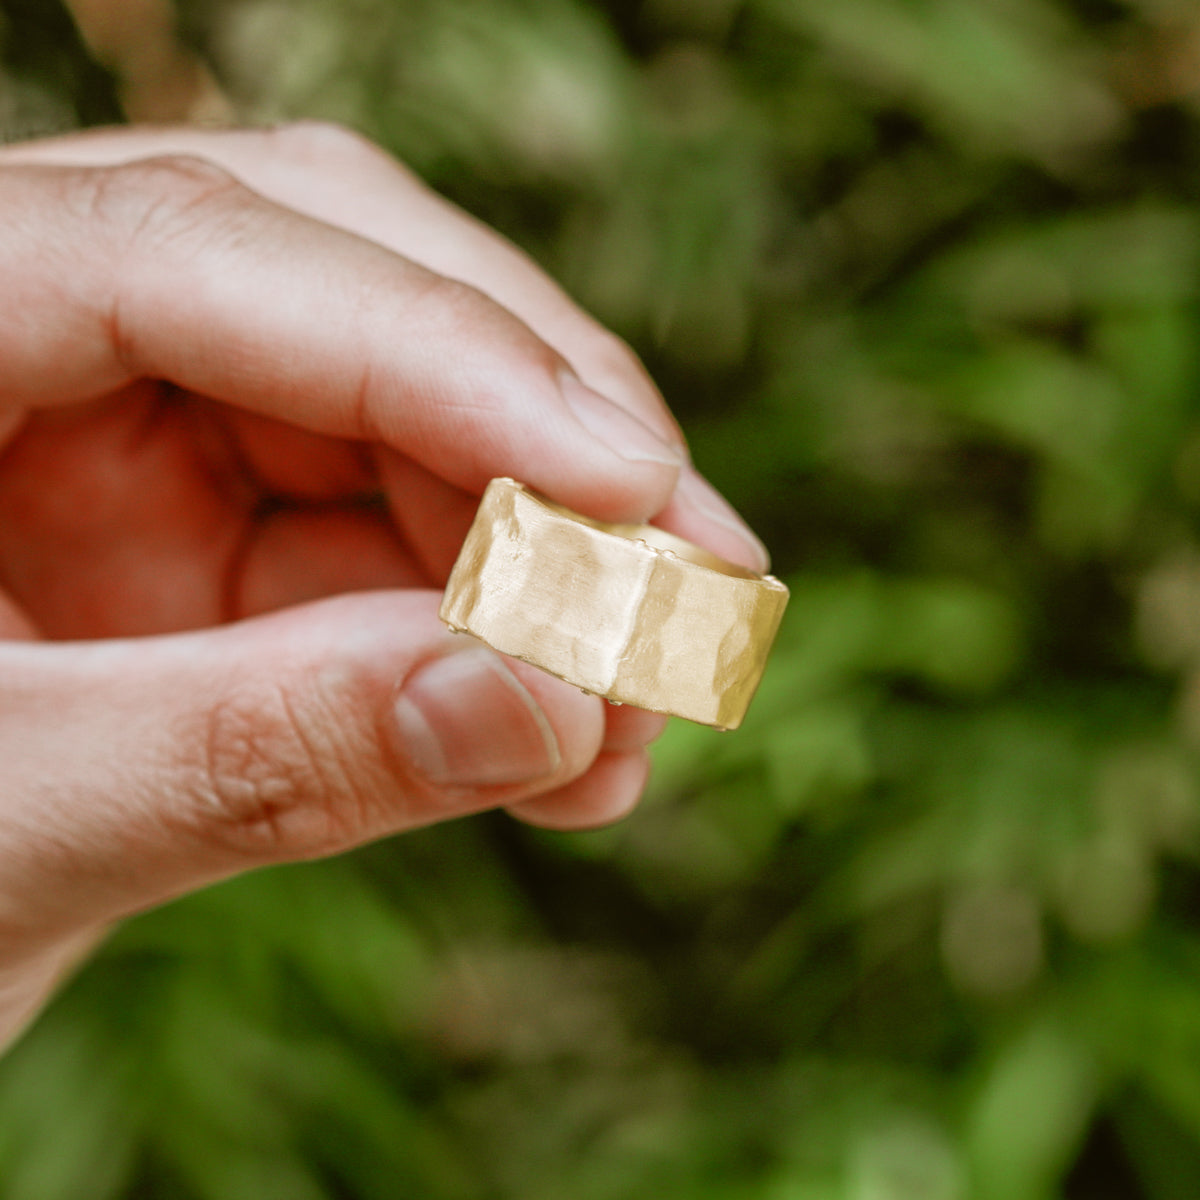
619	430
465	720
695	490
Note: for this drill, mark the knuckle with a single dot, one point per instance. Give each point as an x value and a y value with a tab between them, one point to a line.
465	316
615	358
274	782
150	211
314	141
471	317
149	192
457	303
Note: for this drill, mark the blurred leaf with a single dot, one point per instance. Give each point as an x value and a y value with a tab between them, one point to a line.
1027	1120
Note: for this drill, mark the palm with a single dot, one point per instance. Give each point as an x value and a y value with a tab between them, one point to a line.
152	510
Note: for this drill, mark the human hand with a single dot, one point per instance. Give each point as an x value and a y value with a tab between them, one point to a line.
251	387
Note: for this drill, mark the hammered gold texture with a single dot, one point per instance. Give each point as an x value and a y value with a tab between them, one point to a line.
628	612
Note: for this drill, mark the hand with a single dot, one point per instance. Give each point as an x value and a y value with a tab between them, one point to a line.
252	385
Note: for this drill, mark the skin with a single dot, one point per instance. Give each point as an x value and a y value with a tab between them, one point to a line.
252	384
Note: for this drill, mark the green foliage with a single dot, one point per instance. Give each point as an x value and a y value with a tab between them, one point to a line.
920	278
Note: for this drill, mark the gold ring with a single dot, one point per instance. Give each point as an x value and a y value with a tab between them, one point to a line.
628	612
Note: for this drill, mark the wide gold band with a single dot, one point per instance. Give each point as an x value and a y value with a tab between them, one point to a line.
628	612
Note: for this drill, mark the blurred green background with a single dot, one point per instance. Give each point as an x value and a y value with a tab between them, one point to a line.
920	278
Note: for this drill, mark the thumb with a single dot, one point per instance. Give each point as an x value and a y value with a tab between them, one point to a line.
133	770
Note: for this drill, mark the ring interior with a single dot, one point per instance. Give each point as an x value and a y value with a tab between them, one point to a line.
660	539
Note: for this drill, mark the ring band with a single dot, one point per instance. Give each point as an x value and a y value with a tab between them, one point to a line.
628	612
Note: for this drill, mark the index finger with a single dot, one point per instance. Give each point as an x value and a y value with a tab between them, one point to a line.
337	176
172	268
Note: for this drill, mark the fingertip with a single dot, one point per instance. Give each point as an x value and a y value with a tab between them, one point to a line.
647	465
699	513
608	792
609	366
630	728
623	433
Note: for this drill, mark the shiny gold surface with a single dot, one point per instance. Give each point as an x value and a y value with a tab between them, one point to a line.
628	612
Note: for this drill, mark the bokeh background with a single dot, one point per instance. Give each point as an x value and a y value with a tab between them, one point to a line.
920	278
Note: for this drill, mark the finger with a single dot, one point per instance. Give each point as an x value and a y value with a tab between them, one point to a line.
433	516
293	556
113	521
88	556
295	319
134	770
15	623
27	982
629	728
609	792
338	177
11	421
700	514
335	175
292	463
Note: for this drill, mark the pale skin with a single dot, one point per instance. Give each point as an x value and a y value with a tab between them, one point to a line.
252	384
